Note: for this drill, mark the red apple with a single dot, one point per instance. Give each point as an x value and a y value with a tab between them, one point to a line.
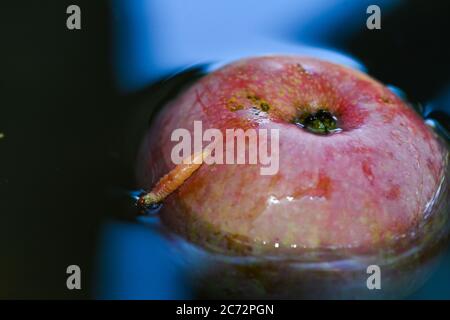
367	187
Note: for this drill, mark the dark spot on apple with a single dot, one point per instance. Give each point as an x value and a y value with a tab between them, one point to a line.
302	70
393	193
233	105
321	122
264	106
258	102
386	99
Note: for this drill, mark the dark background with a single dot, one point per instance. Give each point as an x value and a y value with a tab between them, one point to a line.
71	129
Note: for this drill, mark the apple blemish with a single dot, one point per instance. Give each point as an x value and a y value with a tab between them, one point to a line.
258	103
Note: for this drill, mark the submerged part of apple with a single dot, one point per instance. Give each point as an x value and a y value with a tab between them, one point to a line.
358	168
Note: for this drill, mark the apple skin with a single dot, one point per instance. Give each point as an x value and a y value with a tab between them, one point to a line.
356	188
358	191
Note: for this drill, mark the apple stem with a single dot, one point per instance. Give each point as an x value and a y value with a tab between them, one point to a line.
174	179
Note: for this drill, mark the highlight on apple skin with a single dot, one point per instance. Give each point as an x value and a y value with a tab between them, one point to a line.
360	173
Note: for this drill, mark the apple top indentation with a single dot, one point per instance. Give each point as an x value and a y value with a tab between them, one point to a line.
321	122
